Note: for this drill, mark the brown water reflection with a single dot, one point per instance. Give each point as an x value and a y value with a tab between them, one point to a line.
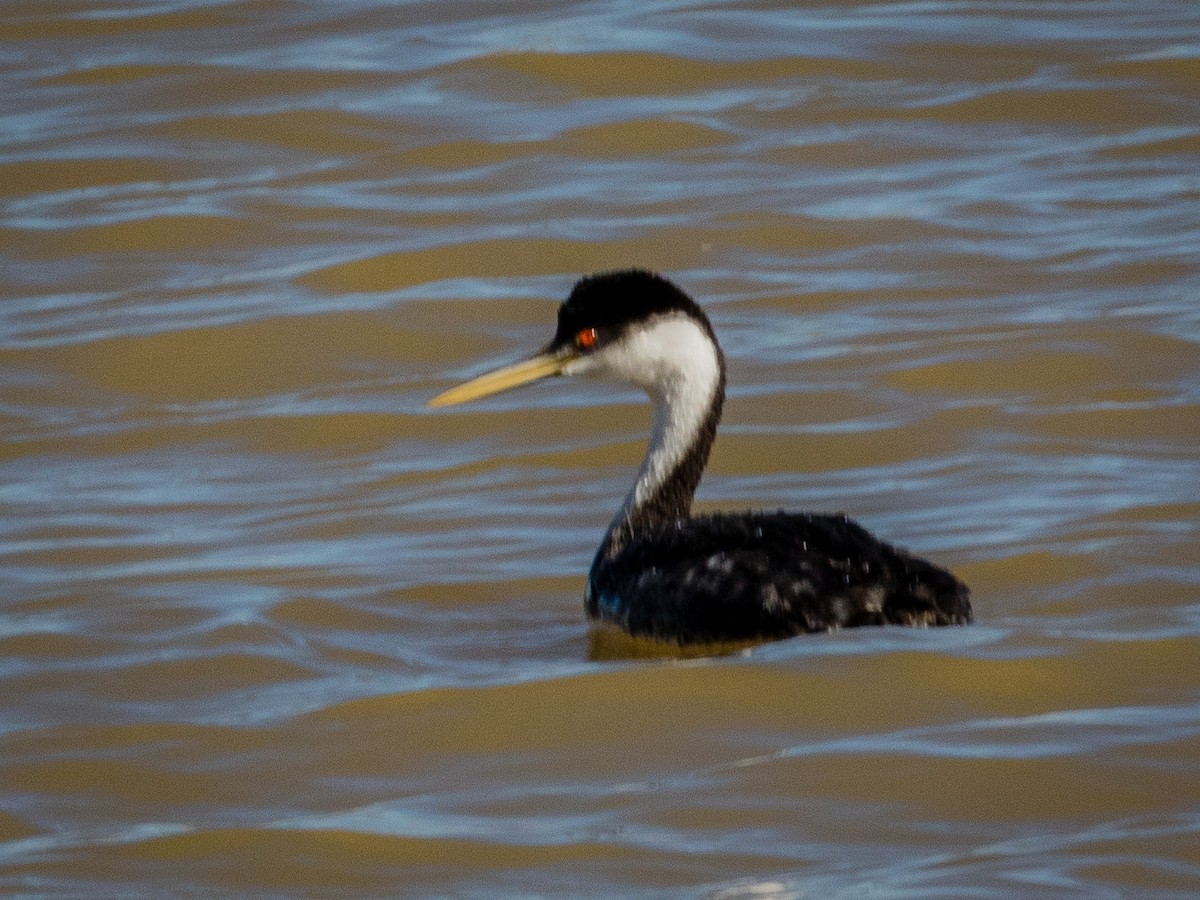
270	628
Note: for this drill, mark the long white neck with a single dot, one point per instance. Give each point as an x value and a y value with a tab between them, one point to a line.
679	412
677	362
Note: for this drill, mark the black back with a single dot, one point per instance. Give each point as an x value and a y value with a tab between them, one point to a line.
767	575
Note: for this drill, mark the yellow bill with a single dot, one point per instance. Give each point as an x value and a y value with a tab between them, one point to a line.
540	366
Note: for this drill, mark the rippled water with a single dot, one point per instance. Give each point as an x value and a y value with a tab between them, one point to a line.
269	627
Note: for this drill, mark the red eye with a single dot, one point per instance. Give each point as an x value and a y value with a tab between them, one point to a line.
586	339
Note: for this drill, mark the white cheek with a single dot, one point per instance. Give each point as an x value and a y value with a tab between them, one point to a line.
584	367
661	358
617	362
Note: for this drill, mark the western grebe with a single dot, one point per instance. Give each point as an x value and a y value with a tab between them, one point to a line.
661	572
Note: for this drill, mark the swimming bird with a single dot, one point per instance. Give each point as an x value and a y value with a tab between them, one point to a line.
663	573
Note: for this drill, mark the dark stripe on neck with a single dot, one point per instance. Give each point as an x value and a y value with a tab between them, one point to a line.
672	499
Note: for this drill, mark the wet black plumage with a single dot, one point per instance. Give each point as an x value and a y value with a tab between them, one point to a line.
661	572
767	575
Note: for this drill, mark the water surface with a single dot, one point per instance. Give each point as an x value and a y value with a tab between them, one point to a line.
269	627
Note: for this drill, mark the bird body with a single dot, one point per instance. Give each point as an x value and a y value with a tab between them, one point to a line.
659	571
763	575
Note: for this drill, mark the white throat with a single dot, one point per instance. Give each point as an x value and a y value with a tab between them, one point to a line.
674	361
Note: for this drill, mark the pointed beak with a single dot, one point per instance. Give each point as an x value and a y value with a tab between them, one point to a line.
543	365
